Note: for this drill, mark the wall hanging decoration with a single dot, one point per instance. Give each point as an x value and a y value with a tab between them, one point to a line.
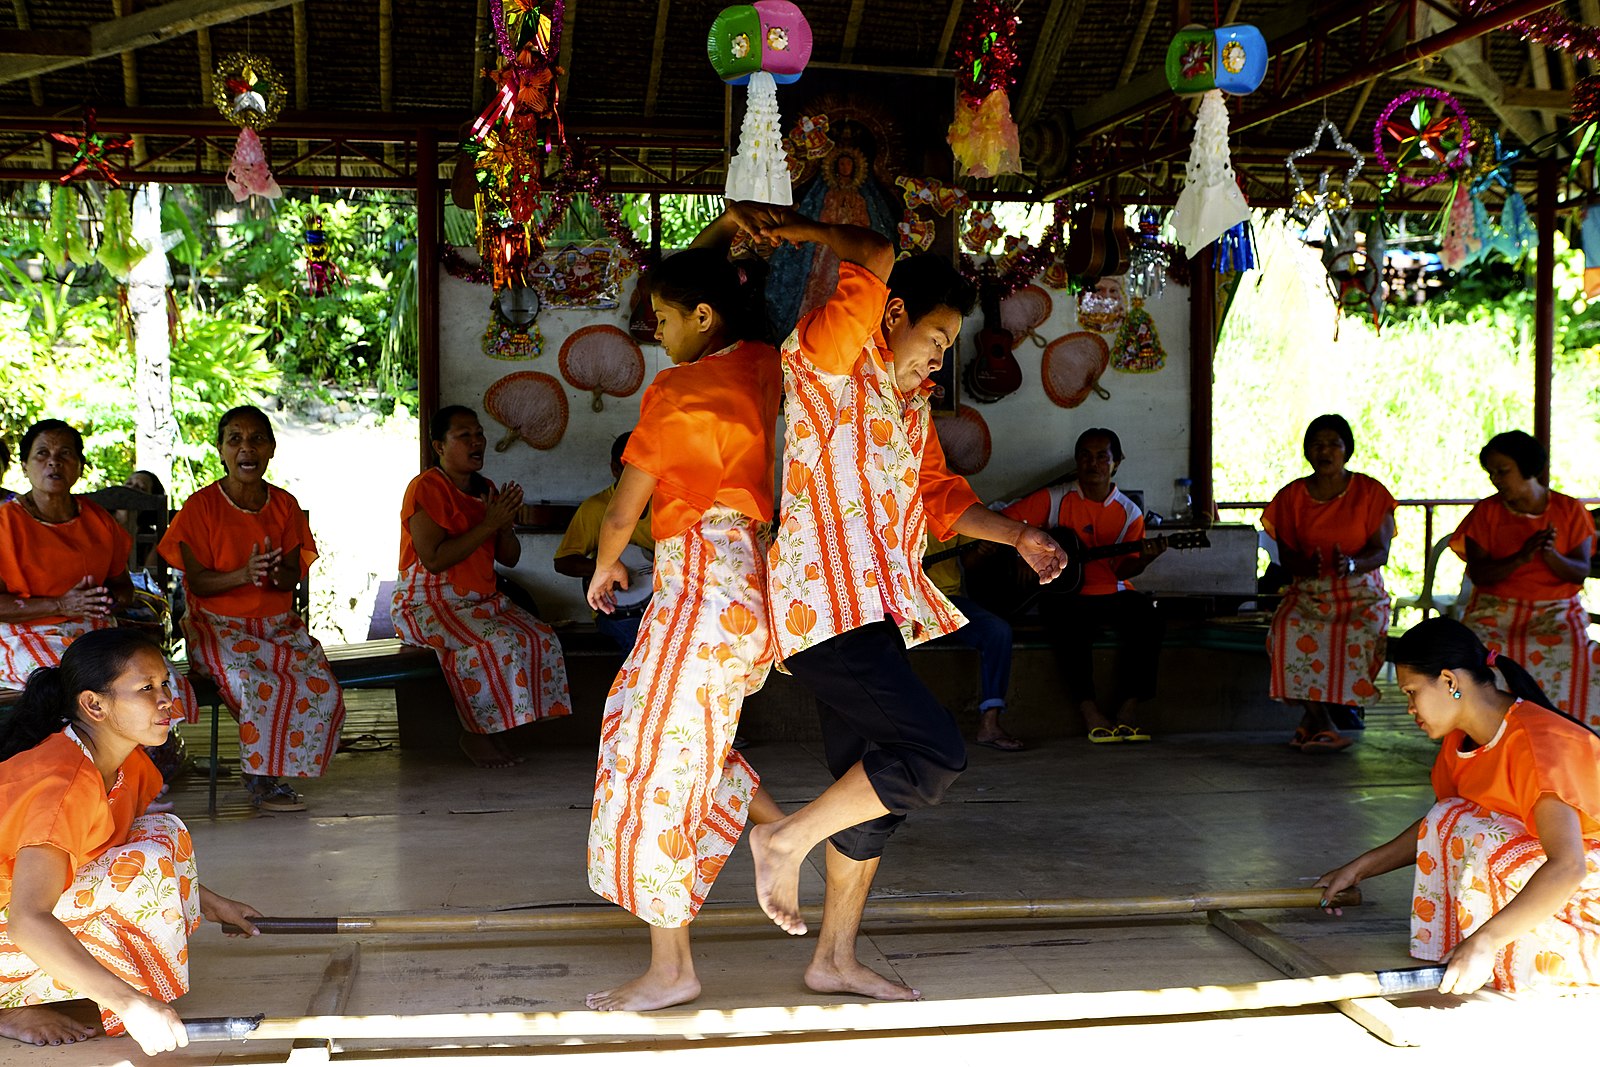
1308	205
1423	137
1072	366
808	140
1589	239
62	240
993	373
513	330
602	360
761	45
1149	258
1103	307
579	276
1460	244
91	152
1211	202
1137	349
321	270
531	406
1515	234
1548	27
964	436
981	230
248	91
1355	274
1235	251
916	229
983	136
119	253
1231	58
1023	312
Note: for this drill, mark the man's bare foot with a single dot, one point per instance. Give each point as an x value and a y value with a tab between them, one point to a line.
44	1024
852	976
777	878
648	992
485	750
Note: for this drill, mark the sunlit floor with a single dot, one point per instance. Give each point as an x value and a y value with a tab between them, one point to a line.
393	832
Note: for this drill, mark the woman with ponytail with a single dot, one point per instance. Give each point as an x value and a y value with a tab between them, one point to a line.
1507	883
671	796
97	901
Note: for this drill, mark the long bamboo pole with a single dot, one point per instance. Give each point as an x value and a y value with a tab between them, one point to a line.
888	911
985	1012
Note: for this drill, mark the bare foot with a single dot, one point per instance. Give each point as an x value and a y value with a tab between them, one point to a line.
777	879
484	750
42	1024
852	976
648	992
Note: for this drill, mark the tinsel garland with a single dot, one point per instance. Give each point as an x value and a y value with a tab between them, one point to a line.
502	38
1025	264
1586	100
1549	27
985	50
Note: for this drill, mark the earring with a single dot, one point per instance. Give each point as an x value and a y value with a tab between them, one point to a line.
1455	694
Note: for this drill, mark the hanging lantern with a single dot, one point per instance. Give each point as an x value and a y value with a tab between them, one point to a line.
1231	58
761	45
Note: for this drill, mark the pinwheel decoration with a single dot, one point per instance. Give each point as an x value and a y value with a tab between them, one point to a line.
91	150
1427	131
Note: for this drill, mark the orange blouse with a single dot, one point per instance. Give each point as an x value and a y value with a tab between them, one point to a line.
1501	532
221	536
1537	752
47	559
1348	521
435	495
52	794
705	434
1109	522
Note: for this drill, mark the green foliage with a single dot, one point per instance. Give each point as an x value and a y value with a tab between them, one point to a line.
683	216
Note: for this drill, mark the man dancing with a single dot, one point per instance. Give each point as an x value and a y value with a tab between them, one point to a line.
864	477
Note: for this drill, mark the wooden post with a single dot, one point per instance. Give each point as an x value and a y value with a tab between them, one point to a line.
428	223
1202	350
1544	300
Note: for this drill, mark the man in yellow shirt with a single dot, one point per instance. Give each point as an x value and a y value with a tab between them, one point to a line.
575	557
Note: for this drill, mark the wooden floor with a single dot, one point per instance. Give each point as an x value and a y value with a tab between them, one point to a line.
404	832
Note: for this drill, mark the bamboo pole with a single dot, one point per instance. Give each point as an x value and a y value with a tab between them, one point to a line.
984	1012
728	916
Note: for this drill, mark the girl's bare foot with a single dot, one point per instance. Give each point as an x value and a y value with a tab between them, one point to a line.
777	878
485	750
44	1024
650	991
852	976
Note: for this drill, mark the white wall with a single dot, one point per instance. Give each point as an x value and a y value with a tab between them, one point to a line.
1032	437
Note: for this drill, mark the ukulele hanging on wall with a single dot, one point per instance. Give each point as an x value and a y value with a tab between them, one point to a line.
994	372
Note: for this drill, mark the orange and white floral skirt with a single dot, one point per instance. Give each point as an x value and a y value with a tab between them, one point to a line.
1470	862
1551	639
1327	639
671	796
27	646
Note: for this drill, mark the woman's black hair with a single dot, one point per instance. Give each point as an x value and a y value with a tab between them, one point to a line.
734	291
93	662
1338	425
1520	448
44	426
156	488
1100	431
1436	645
241	412
439	429
928	280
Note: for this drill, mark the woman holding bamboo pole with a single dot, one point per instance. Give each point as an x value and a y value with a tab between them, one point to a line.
1507	884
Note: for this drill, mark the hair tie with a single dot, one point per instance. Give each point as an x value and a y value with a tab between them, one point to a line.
744	279
1488	661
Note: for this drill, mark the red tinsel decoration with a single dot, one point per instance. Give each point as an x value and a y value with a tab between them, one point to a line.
1548	27
1025	265
986	49
1586	100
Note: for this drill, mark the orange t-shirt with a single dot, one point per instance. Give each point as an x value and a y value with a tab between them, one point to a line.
52	794
221	536
1107	522
1348	521
435	495
1536	752
705	434
47	559
1501	532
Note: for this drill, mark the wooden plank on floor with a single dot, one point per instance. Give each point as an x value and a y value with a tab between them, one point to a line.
331	998
1377	1016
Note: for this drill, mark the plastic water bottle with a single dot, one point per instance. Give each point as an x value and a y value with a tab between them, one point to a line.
1182	503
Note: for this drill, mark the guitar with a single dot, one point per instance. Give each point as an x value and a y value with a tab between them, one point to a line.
1085	256
1118	243
994	372
1001	581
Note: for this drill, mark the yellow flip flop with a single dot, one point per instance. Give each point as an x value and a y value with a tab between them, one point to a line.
1101	736
1124	732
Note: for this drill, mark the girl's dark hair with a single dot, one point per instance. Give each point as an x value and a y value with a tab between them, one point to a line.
698	276
1436	645
93	662
1338	425
439	429
44	426
156	488
241	412
1100	431
928	280
1520	448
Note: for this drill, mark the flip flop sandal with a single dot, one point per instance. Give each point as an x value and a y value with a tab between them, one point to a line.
1301	736
1002	744
364	743
1327	741
1131	733
1101	736
279	798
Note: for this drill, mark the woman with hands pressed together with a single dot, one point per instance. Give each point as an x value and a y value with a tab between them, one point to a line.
97	901
503	666
243	545
1527	550
1508	859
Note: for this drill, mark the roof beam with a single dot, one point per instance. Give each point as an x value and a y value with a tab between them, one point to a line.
35	86
1056	31
852	30
1136	42
147	27
653	86
951	22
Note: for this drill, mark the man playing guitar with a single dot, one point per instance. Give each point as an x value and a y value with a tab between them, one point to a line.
1100	515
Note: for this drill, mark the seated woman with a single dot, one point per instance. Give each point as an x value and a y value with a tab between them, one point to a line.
243	545
97	901
503	666
1508	859
1527	550
1333	530
63	562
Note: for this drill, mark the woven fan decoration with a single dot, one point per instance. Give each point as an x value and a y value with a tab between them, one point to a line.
602	360
1024	311
529	404
1072	367
965	439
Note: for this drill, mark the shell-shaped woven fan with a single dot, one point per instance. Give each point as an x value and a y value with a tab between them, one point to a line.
1072	366
1024	311
531	405
602	360
965	439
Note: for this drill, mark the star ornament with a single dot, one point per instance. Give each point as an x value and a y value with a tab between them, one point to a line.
1308	205
1426	127
90	151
